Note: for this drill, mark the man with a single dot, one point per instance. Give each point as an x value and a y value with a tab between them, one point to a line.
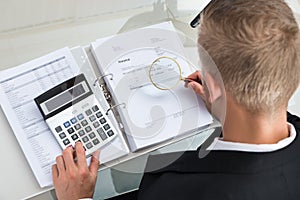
256	46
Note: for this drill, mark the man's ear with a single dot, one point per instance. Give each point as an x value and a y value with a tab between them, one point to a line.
213	87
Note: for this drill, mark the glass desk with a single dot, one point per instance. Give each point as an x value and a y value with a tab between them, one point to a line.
118	181
32	28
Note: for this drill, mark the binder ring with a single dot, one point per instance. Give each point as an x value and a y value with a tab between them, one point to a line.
114	106
101	77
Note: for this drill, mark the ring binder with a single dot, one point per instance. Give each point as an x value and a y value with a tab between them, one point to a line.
114	106
150	127
106	94
101	77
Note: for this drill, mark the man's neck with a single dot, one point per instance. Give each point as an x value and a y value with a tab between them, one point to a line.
242	126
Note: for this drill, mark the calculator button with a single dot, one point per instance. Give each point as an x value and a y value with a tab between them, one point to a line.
58	129
89	145
106	127
84	123
95	108
73	120
96	141
77	126
110	133
81	132
67	124
88	112
100	131
99	114
88	129
80	116
66	142
62	135
85	139
101	134
102	120
96	124
92	118
70	130
74	137
92	135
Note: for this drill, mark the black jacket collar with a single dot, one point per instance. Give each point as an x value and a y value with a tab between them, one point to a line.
227	161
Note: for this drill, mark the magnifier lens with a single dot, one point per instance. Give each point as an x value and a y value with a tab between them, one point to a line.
165	73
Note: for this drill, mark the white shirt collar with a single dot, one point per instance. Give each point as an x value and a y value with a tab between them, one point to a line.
219	144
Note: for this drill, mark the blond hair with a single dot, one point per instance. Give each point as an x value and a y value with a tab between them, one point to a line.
256	47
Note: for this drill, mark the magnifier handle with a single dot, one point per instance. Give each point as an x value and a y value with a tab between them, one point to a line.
188	80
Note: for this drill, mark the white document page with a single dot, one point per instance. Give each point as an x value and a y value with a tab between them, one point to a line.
117	147
151	116
18	87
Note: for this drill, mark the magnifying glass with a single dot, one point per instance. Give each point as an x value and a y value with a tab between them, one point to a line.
165	73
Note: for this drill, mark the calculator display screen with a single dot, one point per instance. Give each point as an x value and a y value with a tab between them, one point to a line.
77	91
66	96
59	100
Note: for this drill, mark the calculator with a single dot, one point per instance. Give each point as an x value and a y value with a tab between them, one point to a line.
73	114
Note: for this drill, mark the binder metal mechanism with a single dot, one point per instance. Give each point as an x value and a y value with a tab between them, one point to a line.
112	105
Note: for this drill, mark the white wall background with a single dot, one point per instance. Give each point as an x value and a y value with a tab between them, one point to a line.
31	28
24	14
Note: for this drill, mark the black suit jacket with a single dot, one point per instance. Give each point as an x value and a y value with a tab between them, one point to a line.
227	175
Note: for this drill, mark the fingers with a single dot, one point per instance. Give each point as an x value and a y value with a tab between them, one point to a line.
95	162
196	76
68	158
194	81
60	164
80	153
65	163
198	89
54	172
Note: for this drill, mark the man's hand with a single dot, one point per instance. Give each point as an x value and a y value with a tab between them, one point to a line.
197	83
74	180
